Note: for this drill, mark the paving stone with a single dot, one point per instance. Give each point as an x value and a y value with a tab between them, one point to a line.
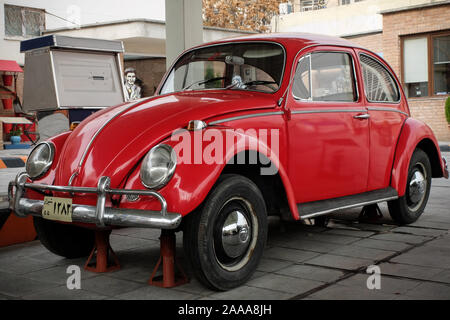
109	286
23	265
315	246
250	293
389	285
339	262
124	242
351	232
289	254
58	274
196	288
16	286
271	265
62	293
139	274
427	256
409	271
443	276
374	227
156	293
331	238
311	273
360	252
338	292
22	250
399	237
285	284
419	231
431	224
439	243
382	244
428	290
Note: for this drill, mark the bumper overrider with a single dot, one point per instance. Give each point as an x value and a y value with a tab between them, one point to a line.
100	214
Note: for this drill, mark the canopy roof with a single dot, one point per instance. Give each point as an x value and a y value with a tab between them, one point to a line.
9	66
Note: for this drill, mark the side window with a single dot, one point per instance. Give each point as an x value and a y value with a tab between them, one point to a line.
302	80
378	83
325	76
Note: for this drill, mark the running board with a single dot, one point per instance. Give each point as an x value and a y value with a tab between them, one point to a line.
318	208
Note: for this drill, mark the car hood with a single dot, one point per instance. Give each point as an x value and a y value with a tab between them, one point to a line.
112	141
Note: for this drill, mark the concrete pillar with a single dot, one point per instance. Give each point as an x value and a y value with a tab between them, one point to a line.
184	27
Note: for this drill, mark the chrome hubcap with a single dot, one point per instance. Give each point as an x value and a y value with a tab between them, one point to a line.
235	234
417	187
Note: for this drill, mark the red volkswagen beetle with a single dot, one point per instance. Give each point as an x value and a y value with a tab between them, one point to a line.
295	125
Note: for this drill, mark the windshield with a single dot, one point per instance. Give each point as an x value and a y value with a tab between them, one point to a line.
235	66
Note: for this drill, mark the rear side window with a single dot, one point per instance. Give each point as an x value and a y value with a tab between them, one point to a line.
378	82
325	76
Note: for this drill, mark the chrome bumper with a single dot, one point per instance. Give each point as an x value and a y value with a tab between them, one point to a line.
99	214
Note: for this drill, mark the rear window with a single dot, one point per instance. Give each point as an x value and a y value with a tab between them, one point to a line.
379	85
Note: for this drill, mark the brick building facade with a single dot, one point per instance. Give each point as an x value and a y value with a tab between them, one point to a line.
412	36
412	23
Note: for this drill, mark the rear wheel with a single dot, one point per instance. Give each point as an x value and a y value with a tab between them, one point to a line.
409	207
225	238
65	240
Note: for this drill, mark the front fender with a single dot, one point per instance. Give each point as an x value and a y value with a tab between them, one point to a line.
413	134
193	180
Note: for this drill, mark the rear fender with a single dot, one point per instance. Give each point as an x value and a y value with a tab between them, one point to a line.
415	134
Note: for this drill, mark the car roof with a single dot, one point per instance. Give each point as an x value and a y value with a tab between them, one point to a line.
290	39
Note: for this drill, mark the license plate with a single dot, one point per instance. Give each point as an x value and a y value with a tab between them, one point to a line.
59	209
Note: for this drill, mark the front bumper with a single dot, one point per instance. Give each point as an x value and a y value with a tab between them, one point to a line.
100	214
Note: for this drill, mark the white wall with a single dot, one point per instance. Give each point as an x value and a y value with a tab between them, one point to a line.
90	11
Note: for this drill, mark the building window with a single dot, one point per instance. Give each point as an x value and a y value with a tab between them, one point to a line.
23	22
345	2
308	5
426	65
441	65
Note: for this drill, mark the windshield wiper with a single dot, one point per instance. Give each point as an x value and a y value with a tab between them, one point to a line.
258	82
200	82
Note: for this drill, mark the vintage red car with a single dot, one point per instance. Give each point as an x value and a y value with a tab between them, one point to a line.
295	125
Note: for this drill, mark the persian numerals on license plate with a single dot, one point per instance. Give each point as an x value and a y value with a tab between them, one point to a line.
59	209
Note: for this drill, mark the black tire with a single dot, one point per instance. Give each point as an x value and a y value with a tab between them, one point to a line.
216	262
321	221
65	240
408	208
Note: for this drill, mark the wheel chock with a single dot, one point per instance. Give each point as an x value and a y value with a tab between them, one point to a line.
169	278
103	251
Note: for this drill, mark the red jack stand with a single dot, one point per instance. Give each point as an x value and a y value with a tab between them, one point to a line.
102	249
370	213
168	249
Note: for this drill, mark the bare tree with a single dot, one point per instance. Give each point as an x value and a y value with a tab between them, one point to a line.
254	15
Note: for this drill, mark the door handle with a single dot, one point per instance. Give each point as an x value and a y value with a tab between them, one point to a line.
362	116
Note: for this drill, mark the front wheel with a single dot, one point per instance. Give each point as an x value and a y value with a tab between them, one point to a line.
408	208
65	240
225	238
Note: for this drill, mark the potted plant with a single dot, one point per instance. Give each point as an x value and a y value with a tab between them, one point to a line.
14	135
447	110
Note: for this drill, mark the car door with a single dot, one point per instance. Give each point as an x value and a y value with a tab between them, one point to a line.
387	110
328	126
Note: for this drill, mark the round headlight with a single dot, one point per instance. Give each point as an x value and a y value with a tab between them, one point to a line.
40	160
158	166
